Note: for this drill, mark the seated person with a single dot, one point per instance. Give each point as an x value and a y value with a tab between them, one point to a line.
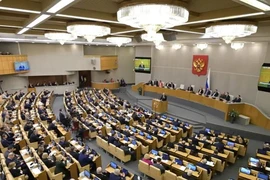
63	142
207	92
5	142
159	165
200	91
60	166
71	150
15	172
48	162
190	88
117	175
34	137
204	165
147	159
100	174
215	155
28	125
228	97
215	94
237	99
85	159
188	175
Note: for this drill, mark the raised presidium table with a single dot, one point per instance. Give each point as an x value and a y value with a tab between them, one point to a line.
159	106
102	85
60	89
257	117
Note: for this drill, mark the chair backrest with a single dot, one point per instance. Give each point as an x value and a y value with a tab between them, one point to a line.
143	167
168	175
182	86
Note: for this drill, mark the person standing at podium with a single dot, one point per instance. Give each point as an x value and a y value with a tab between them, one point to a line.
163	97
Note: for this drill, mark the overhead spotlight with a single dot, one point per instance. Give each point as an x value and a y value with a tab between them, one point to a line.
159	47
177	46
237	45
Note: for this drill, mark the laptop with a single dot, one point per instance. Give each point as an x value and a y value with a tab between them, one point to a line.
231	144
165	156
155	152
191	167
171	119
207	130
127	127
175	128
141	133
262	176
167	125
134	142
119	135
87	174
162	132
126	138
178	161
113	165
149	137
134	130
245	170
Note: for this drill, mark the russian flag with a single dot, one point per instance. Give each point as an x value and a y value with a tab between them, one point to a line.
207	83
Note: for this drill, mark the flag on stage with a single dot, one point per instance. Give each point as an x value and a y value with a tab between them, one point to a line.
207	83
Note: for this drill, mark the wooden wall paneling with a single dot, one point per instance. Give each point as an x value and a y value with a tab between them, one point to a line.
7	63
108	62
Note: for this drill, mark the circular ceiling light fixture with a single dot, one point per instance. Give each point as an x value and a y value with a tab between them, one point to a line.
119	40
152	16
156	38
229	31
237	45
87	30
61	37
202	46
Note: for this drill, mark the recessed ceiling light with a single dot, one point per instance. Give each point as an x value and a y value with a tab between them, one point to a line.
23	30
38	20
86	18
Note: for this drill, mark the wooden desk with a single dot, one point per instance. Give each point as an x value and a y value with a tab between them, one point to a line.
102	85
176	169
159	106
257	117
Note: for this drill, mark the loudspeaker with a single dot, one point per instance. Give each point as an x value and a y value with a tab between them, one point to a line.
138	38
169	36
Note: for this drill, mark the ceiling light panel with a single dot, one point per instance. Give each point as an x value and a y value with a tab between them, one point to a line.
86	18
257	4
23	30
38	20
19	10
60	5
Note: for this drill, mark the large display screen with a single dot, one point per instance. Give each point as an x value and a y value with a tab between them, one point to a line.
264	80
142	64
21	66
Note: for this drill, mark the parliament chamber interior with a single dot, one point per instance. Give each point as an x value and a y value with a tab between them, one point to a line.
134	90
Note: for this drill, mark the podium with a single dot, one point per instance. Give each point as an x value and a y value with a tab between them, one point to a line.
159	106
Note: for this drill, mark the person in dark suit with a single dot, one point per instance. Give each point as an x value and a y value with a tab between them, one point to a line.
163	97
60	166
62	116
84	159
63	142
204	165
72	152
190	88
28	126
159	165
49	163
156	83
215	94
207	92
215	155
200	91
100	174
112	138
5	142
219	146
141	66
15	172
237	99
34	137
227	97
117	175
188	175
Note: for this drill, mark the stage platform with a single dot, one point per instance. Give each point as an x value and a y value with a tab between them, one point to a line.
199	116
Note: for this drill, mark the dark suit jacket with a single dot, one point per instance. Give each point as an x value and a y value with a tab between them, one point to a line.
60	166
34	138
52	127
204	166
227	97
215	94
159	166
207	93
188	177
75	155
111	139
190	88
102	176
115	177
6	143
15	172
163	98
84	160
200	91
48	163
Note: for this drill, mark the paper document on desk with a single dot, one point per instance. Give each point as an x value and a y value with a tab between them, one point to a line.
24	152
253	164
18	139
131	145
28	159
267	168
165	161
35	125
210	163
72	142
182	168
52	153
35	171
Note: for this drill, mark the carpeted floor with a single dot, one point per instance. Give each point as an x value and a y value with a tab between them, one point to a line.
230	171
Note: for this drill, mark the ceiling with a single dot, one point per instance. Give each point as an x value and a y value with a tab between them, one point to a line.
202	13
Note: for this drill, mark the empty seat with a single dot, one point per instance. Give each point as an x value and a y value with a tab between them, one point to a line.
144	168
155	173
168	175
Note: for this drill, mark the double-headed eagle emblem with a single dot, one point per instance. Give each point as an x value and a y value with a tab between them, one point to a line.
198	65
